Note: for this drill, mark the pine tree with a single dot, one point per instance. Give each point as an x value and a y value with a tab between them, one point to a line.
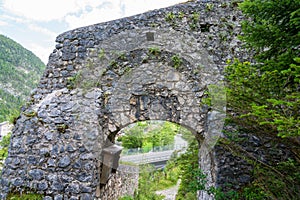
266	95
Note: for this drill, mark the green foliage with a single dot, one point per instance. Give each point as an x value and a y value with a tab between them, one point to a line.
162	135
273	30
219	195
74	81
154	51
270	181
151	180
78	80
134	136
3	153
206	100
126	198
9	106
209	6
20	72
101	54
90	64
224	5
149	135
192	178
170	17
194	19
133	140
169	176
146	187
181	15
283	182
4	143
122	56
113	63
176	61
263	100
23	193
252	193
24	196
266	96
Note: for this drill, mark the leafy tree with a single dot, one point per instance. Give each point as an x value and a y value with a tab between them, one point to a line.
134	136
133	140
162	135
273	31
155	134
266	96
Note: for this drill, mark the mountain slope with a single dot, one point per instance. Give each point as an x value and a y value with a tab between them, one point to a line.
20	71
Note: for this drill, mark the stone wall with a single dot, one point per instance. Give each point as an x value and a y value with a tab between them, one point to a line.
237	160
123	183
100	78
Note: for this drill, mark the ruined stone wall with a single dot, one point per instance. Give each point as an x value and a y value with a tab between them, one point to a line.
122	183
100	78
237	160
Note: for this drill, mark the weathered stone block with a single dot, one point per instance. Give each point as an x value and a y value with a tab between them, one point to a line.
36	174
64	161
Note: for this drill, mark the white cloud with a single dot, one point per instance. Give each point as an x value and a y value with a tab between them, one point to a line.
48	10
12	19
113	9
41	10
92	14
42	30
81	13
133	7
40	51
73	13
3	23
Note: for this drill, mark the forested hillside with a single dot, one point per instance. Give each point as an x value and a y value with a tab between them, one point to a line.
20	71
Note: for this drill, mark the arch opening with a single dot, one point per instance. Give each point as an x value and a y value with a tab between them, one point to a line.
154	148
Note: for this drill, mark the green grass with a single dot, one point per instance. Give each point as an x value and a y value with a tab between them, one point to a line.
164	184
167	179
29	196
126	198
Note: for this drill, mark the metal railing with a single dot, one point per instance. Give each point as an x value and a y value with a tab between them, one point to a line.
135	151
160	154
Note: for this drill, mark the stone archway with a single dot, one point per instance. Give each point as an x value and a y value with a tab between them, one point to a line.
146	84
101	78
160	79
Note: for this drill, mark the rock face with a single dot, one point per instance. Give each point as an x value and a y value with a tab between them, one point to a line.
101	78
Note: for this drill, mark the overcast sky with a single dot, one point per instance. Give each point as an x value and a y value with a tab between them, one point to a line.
36	23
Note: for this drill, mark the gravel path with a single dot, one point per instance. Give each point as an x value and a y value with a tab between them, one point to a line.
170	193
